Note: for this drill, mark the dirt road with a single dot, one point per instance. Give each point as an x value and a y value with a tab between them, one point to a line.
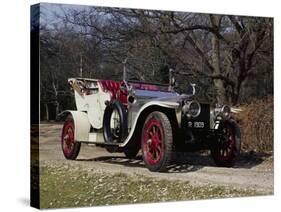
251	170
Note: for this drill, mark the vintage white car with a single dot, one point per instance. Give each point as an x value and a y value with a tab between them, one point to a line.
127	116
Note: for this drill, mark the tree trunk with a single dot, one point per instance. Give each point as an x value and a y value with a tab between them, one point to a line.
219	85
47	112
237	94
56	101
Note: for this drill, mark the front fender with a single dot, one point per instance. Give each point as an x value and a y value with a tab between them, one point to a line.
81	124
163	104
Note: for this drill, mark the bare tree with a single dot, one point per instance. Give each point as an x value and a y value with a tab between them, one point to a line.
228	56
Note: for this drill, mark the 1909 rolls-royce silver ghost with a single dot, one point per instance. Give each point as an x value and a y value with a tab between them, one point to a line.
127	116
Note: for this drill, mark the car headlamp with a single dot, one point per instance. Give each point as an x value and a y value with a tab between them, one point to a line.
222	112
191	108
225	111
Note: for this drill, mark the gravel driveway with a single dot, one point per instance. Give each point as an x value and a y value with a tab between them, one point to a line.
251	170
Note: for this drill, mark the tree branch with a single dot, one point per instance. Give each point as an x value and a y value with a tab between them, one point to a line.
198	27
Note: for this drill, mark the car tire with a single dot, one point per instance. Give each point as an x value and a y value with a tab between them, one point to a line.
70	148
224	154
109	137
157	141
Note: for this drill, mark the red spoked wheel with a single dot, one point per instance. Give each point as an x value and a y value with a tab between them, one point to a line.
224	151
70	148
157	141
153	141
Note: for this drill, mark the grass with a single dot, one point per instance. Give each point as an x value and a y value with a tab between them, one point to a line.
64	187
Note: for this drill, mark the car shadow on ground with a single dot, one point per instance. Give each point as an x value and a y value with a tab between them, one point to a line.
185	162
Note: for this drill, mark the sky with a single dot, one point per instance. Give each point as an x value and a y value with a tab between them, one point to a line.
49	11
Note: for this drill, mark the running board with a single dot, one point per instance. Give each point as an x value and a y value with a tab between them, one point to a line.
97	138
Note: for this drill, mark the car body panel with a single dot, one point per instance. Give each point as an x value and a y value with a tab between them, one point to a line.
91	102
82	125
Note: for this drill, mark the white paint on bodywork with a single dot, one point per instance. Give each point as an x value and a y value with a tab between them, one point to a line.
96	138
93	137
80	102
96	103
93	104
82	125
164	104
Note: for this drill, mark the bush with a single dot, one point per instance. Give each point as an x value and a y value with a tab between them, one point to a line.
256	121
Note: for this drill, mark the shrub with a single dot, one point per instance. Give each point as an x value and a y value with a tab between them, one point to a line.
256	122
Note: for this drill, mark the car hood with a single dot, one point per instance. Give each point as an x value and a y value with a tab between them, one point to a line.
160	96
154	94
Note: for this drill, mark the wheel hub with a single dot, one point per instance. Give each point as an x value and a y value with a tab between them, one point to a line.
155	141
66	139
153	136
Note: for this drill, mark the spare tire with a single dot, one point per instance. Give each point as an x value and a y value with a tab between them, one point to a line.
115	123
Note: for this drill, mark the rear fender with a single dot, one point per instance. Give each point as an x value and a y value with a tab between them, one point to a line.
82	125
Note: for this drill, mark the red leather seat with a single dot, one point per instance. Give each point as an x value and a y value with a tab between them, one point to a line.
110	86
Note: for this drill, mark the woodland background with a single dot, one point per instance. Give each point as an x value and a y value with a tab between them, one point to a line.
230	58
